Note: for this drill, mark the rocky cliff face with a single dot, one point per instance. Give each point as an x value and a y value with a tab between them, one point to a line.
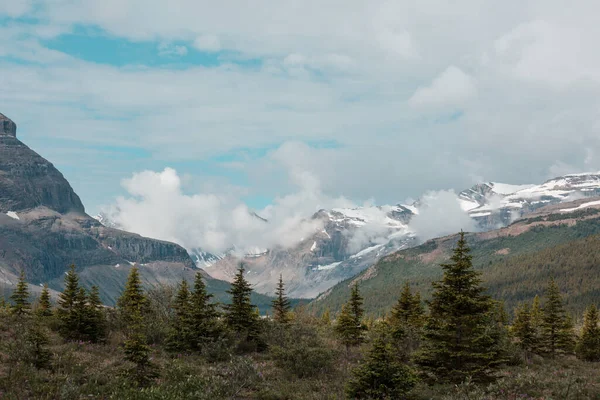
27	180
44	229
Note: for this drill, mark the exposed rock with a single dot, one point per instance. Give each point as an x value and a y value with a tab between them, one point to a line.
7	126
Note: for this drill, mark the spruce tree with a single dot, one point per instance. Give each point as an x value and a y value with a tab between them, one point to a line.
96	318
524	330
326	317
204	317
240	315
349	325
536	323
44	307
20	297
557	330
281	304
458	341
132	305
180	337
381	376
408	311
588	345
37	341
133	301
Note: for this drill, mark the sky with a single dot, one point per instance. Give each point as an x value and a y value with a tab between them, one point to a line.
339	102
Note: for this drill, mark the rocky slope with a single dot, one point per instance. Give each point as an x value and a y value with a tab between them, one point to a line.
44	229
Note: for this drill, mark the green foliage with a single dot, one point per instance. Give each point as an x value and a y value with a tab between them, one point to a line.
349	326
460	339
557	328
180	336
44	307
588	345
81	317
524	330
240	315
204	317
131	305
381	376
20	297
37	341
281	304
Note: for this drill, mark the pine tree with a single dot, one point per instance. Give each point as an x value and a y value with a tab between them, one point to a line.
381	376
20	297
133	301
95	319
204	317
536	323
408	311
349	325
524	330
44	307
37	341
588	345
281	304
131	306
239	315
458	341
180	337
557	330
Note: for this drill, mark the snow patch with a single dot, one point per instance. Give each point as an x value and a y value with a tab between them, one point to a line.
13	215
584	205
313	247
326	267
366	251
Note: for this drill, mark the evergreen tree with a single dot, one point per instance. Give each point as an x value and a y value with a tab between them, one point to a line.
557	330
458	341
132	305
240	315
44	307
406	321
381	376
37	341
204	317
536	323
524	330
20	297
588	345
180	337
281	304
349	325
95	318
133	301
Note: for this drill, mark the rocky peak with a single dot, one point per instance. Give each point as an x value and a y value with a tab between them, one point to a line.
7	126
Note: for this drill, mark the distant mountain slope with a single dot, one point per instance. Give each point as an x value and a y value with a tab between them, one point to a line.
516	261
44	229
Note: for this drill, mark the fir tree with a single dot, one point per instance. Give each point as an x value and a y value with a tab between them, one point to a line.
204	317
588	345
536	323
180	338
44	307
349	325
95	319
281	304
132	305
240	315
37	341
381	376
557	330
406	321
20	297
458	341
133	301
524	330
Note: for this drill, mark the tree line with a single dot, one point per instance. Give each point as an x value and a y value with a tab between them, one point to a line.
461	334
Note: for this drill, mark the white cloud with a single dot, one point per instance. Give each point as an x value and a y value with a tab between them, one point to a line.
452	87
207	42
156	206
440	214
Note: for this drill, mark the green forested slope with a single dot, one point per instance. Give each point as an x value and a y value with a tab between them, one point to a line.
516	262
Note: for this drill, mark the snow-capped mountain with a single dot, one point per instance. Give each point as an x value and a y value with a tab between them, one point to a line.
348	240
495	204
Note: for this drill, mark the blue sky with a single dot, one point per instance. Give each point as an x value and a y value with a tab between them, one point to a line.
258	102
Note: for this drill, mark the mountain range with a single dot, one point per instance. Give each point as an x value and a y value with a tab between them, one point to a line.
349	240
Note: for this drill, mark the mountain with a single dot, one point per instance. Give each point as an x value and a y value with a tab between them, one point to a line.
557	240
44	229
